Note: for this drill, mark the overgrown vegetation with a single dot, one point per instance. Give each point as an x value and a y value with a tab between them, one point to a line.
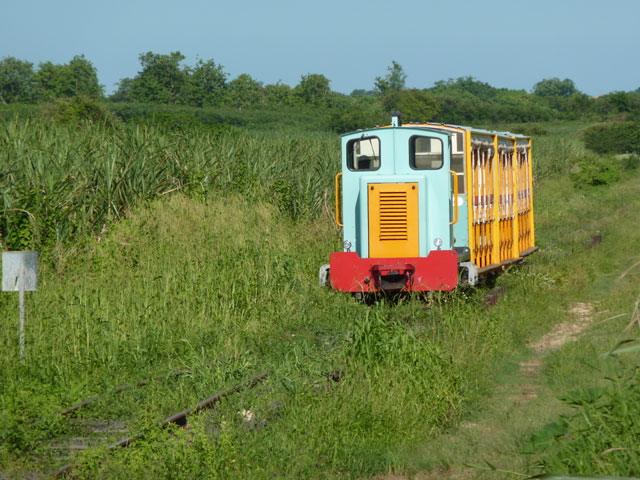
173	240
600	436
231	281
597	434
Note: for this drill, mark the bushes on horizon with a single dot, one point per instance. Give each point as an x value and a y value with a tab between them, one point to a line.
78	109
349	118
619	137
415	105
262	118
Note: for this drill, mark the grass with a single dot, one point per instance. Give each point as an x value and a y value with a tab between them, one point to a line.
184	283
219	276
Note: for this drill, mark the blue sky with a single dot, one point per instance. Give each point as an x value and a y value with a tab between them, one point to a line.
509	44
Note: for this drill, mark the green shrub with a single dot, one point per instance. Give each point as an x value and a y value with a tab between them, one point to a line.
591	171
78	109
19	110
256	118
415	105
620	137
352	118
554	155
171	121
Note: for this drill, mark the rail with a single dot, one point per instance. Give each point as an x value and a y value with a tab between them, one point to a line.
179	418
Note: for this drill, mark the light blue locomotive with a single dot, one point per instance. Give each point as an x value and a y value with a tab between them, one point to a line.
423	205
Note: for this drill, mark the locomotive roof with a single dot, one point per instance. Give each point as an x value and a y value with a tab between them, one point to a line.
439	127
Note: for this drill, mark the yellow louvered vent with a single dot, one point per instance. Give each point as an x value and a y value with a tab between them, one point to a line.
393	216
393	220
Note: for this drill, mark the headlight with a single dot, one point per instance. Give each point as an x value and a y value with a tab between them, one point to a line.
347	245
438	242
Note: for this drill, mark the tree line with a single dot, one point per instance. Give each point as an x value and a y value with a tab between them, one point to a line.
20	83
166	80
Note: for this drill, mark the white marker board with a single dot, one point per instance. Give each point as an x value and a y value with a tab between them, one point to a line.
15	264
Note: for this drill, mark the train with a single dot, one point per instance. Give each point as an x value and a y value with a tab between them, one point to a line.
427	207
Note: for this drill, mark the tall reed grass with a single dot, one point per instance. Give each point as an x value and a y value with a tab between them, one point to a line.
59	182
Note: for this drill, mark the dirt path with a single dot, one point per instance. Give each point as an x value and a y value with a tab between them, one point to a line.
511	413
581	316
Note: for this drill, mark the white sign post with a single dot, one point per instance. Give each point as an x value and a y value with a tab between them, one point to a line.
20	273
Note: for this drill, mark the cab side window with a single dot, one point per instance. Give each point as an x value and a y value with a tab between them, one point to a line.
363	154
457	165
425	153
457	159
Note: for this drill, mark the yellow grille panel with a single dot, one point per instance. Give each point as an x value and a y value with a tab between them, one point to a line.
393	216
393	220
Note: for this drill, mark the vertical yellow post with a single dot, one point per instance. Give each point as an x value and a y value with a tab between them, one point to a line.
338	200
495	222
468	179
515	181
531	224
497	165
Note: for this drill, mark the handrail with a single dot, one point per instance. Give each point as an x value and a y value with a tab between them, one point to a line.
338	222
455	196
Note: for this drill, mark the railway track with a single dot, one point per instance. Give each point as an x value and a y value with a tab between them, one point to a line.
180	418
119	389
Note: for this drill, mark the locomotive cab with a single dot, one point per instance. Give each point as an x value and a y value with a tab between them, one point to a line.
397	211
422	204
